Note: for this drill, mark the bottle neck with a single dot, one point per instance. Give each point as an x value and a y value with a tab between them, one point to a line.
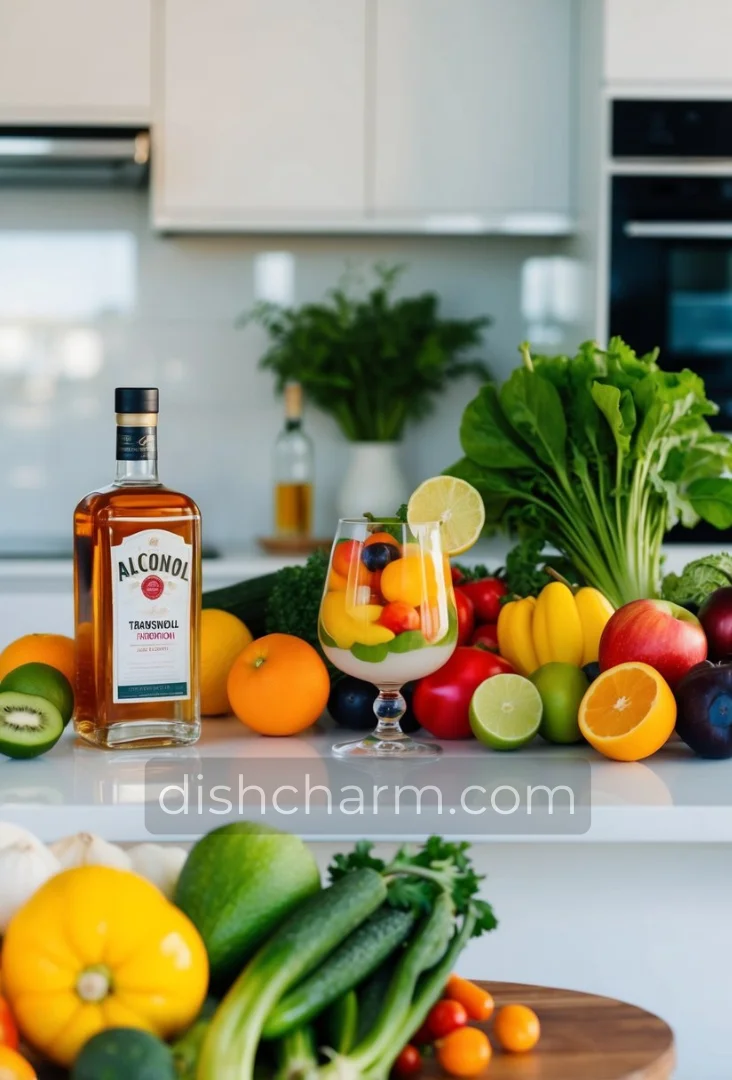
137	448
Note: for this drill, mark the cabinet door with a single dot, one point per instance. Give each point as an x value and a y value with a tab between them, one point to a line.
261	113
75	61
473	106
668	40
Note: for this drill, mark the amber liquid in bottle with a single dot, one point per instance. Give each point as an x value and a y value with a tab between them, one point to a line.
293	489
137	585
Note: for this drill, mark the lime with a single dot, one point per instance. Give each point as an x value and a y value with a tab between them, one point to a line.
562	687
43	681
455	504
505	712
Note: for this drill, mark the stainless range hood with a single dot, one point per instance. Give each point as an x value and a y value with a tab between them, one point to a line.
74	156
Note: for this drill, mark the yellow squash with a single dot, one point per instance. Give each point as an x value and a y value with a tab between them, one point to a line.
96	948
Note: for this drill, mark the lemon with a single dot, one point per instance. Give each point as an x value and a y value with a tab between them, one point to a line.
223	637
455	504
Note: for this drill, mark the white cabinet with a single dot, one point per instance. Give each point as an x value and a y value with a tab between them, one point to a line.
473	107
261	113
74	61
673	41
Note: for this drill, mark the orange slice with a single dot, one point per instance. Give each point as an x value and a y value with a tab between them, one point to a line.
628	712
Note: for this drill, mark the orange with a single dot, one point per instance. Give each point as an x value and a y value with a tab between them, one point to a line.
57	650
15	1067
517	1028
628	712
223	637
278	685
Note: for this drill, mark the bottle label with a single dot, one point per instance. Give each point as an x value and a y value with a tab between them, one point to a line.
151	596
137	443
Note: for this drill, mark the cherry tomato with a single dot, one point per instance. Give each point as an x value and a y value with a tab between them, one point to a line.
8	1027
476	1001
464	1052
442	700
486	596
485	636
465	617
15	1067
517	1028
399	617
409	1062
423	1036
446	1016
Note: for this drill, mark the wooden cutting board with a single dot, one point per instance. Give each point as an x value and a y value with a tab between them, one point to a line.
583	1037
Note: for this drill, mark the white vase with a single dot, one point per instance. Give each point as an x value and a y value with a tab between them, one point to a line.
374	482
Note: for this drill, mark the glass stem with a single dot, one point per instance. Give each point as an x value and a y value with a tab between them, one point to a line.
389	707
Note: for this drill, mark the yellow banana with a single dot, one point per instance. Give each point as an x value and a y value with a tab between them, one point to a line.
594	612
557	629
525	660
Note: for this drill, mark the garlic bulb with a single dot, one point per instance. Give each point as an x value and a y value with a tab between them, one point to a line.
159	863
25	865
86	849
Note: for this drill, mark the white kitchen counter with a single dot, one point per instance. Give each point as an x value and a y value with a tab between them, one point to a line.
672	798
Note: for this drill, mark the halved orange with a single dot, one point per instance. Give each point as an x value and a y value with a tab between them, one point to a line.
628	712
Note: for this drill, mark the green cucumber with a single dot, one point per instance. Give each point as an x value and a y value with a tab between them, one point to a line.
291	953
247	600
352	962
371	995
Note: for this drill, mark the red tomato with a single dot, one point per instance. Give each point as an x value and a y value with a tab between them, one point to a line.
457	575
442	700
486	636
486	596
399	617
446	1016
465	617
8	1027
409	1062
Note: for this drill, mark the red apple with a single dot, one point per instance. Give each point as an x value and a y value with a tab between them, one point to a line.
715	616
655	632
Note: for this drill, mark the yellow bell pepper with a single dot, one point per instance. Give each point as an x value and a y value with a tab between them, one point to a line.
558	625
96	948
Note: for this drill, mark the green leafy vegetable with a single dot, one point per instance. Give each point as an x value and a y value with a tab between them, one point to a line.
600	454
525	573
372	363
698	579
415	878
293	604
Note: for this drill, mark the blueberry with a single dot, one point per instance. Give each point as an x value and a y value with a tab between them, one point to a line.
377	556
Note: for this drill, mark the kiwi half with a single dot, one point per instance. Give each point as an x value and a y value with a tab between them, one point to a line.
43	681
29	725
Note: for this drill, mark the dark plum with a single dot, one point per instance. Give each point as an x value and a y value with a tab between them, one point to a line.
592	670
704	703
351	704
715	615
377	556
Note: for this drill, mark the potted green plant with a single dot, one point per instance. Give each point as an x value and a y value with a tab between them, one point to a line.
375	363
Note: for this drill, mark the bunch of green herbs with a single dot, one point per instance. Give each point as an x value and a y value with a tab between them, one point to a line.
374	362
599	454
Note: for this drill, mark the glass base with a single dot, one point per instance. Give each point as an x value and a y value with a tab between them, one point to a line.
390	746
140	734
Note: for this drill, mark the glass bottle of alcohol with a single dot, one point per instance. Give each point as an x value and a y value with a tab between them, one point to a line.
137	586
293	471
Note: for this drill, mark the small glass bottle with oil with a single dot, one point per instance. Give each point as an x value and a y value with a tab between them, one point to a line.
293	472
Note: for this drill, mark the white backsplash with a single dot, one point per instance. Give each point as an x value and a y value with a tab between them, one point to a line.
91	299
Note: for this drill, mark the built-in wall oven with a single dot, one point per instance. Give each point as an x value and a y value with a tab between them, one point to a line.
670	281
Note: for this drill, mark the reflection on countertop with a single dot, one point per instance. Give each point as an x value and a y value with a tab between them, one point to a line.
467	792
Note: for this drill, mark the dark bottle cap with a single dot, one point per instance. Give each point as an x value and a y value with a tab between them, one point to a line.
136	399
